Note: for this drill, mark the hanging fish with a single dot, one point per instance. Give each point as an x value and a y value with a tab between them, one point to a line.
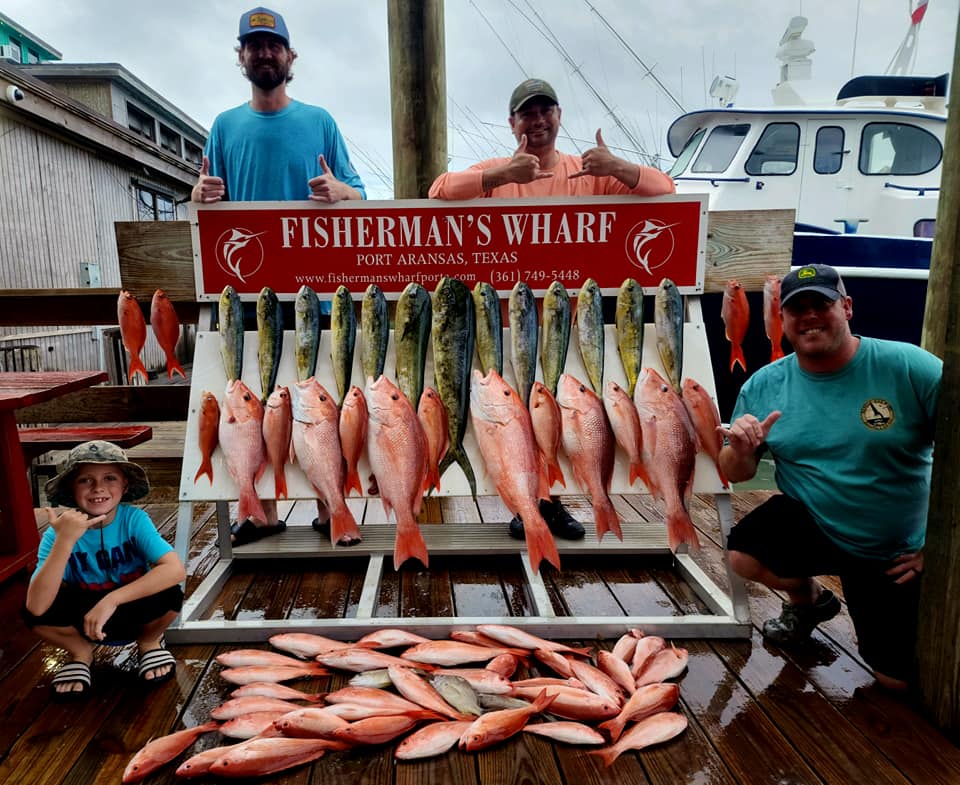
453	332
374	332
208	422
630	330
523	339
486	305
735	313
306	332
411	336
706	419
590	332
277	436
668	322
166	326
230	323
556	334
772	319
343	338
269	340
133	332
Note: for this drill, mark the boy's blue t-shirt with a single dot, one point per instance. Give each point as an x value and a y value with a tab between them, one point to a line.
270	156
855	446
131	545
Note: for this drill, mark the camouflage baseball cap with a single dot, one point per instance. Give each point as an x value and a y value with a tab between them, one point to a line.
59	490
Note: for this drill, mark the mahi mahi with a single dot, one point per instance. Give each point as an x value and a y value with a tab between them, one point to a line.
630	330
230	319
590	332
343	336
486	304
556	334
374	332
668	321
453	338
523	339
411	335
269	340
306	332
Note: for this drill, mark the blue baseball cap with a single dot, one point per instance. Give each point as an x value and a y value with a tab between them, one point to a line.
263	20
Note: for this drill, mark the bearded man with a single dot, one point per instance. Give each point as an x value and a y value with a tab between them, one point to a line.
274	148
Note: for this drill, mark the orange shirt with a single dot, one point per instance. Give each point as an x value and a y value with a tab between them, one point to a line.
468	184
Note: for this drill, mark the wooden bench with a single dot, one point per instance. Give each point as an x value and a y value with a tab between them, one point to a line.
126	415
36	441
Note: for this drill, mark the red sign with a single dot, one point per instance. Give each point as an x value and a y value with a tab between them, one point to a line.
285	245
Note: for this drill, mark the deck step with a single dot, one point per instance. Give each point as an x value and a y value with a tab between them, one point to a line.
457	539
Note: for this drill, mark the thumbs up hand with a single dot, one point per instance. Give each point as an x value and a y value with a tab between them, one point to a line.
208	189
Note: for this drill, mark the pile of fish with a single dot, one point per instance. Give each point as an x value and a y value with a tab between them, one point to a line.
133	331
411	433
735	312
436	694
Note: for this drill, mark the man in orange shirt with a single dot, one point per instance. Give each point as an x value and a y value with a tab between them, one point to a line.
538	169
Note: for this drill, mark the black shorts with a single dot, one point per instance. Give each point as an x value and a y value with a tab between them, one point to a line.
783	536
72	604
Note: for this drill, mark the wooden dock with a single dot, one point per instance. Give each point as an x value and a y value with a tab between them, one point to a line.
758	714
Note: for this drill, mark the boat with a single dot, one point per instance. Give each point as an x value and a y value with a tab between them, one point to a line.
862	172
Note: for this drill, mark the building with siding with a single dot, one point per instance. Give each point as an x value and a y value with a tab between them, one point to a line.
81	146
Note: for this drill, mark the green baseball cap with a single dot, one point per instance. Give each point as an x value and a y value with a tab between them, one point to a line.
529	89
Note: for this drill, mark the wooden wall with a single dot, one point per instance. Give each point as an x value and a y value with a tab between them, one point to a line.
58	205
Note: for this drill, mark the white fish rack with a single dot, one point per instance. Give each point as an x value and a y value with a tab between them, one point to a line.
729	615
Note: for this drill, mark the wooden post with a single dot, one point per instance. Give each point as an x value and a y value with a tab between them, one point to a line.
938	653
418	88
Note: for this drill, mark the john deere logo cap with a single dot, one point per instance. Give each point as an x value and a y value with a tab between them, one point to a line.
819	278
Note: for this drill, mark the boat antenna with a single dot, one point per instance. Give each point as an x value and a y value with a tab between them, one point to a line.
906	55
646	68
856	32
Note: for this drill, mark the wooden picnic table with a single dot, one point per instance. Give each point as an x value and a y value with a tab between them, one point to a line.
18	527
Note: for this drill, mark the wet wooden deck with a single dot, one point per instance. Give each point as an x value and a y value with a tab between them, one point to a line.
758	714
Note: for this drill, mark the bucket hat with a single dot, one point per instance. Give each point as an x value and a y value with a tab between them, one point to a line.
59	490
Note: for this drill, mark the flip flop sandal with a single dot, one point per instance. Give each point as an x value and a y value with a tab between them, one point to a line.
153	659
248	531
72	673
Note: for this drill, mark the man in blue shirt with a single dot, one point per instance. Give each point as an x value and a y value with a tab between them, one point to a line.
274	147
849	422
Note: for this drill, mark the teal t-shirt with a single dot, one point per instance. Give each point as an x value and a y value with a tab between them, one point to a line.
270	156
856	445
130	545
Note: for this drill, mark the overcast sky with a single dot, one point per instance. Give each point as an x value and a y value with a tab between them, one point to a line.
183	49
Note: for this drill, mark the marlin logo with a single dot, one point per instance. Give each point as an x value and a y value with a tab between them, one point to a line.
236	255
650	244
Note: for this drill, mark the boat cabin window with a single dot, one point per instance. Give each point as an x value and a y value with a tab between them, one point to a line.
686	153
720	147
898	148
925	227
776	151
828	152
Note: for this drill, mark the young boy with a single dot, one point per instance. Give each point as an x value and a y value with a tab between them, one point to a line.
105	574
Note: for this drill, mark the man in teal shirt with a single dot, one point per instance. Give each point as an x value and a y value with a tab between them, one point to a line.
849	422
274	148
